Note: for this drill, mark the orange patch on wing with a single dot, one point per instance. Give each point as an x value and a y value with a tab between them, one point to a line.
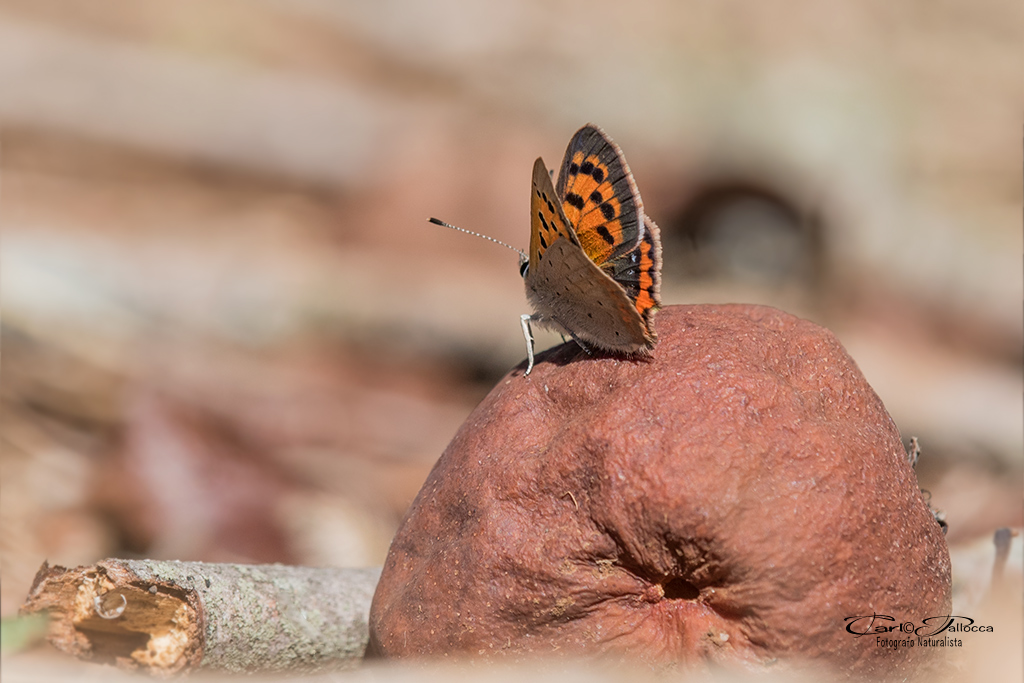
548	223
592	208
645	298
597	247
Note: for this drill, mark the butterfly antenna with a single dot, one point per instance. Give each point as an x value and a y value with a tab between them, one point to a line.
436	221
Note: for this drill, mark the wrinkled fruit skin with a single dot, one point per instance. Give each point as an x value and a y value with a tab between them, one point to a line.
731	500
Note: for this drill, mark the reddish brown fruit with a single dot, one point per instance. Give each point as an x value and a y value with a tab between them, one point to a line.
732	499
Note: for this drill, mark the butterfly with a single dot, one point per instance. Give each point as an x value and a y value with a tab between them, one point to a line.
594	267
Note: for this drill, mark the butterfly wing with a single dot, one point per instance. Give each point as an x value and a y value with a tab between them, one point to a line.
599	197
602	205
568	289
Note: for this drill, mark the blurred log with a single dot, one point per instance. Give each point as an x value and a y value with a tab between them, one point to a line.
314	130
172	617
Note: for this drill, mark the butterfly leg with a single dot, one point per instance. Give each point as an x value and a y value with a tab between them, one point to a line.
574	338
528	335
581	344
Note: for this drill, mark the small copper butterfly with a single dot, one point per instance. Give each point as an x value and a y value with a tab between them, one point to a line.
595	257
594	267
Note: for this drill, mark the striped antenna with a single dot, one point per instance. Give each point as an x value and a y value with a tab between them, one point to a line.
521	253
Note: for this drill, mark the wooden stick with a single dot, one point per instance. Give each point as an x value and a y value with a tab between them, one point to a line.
173	617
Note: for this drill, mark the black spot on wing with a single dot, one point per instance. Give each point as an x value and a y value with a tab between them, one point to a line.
544	223
596	197
605	235
608	211
573	199
598	174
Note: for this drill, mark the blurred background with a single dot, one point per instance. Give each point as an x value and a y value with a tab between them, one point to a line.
229	333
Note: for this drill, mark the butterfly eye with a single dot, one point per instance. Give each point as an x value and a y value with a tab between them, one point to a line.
524	267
